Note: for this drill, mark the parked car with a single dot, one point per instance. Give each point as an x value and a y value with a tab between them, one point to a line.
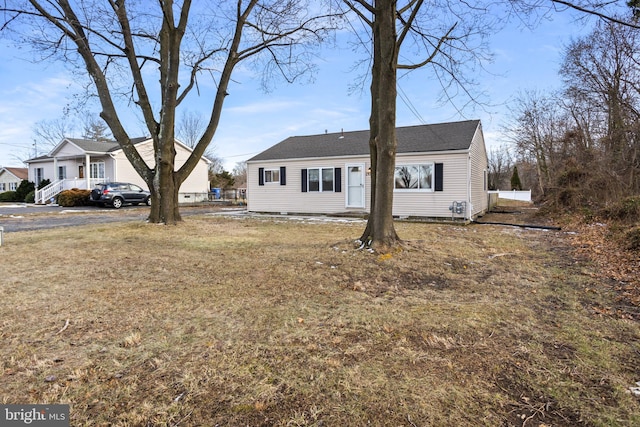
117	194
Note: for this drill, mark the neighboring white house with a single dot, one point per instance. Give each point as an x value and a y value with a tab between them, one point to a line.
10	178
80	163
441	172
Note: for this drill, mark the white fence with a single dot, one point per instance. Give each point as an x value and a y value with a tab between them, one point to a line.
524	196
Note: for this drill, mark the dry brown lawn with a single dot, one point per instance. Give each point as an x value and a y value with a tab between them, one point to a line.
261	322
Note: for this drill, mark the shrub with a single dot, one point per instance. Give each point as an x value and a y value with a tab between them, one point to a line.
8	196
632	239
23	189
44	183
30	197
626	210
74	197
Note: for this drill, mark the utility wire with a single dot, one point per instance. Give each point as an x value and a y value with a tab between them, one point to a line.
405	99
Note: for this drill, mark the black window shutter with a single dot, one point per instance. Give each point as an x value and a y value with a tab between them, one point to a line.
283	175
260	176
438	177
304	180
337	180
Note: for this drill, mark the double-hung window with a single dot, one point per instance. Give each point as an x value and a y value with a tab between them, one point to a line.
417	177
321	179
39	175
272	175
96	170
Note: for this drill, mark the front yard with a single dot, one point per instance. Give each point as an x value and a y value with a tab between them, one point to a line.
223	321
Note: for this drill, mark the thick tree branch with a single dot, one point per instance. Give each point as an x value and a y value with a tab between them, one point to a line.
435	52
596	13
407	25
359	13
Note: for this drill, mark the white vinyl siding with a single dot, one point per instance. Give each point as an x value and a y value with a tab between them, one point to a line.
290	198
196	182
478	180
462	181
433	204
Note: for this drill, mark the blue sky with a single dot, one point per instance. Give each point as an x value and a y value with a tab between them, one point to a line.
253	121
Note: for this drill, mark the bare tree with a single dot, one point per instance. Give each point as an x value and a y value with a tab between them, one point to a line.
190	128
152	55
240	174
94	128
500	166
537	128
608	11
444	35
601	73
48	133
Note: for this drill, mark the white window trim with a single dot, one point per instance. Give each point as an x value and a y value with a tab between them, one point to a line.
272	171
104	170
320	190
416	190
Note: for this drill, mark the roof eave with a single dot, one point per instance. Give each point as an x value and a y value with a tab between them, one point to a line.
401	154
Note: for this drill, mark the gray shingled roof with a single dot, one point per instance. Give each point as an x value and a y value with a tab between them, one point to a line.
101	146
411	139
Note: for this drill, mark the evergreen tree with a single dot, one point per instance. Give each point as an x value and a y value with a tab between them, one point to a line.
515	180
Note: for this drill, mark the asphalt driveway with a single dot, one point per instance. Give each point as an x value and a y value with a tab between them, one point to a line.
24	217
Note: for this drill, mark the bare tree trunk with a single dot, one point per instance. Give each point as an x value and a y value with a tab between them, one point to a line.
380	232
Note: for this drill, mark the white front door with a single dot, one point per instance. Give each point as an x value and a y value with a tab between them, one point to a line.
355	186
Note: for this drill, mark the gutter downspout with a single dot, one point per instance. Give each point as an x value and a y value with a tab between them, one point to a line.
469	206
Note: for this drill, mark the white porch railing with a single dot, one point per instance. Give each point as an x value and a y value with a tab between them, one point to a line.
47	192
56	187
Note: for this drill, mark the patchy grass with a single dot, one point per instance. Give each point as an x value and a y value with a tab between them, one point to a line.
230	322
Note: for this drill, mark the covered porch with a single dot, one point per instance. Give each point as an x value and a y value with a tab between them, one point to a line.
70	172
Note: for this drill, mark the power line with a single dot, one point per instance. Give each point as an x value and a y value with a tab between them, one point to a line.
14	144
405	99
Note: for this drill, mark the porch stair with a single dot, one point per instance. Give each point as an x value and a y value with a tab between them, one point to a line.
47	192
